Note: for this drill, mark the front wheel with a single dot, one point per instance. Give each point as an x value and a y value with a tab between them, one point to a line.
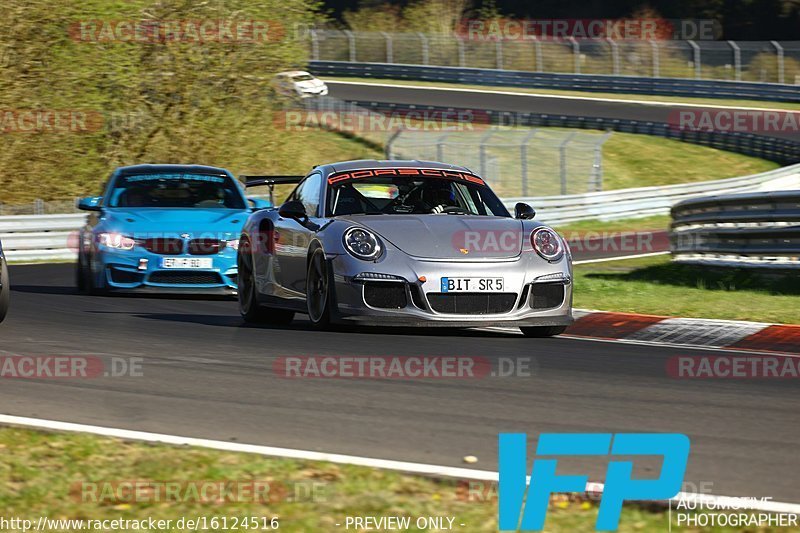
318	291
249	307
542	331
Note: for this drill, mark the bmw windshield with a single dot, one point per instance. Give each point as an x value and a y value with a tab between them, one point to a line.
176	191
389	195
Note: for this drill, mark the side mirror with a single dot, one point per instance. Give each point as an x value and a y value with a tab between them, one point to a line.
524	211
294	210
259	203
90	203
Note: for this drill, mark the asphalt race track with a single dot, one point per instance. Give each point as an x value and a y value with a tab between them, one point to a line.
207	375
465	99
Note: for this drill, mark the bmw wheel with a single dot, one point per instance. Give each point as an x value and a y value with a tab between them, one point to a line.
318	298
542	331
249	307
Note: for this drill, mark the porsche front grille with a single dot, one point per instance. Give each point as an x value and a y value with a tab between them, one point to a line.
472	303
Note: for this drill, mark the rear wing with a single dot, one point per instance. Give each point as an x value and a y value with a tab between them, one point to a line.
270	181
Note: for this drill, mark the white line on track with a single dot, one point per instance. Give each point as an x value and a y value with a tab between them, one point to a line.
414	468
561	96
618	258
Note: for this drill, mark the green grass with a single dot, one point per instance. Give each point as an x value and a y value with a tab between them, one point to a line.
633	160
654	223
43	475
655	285
585	94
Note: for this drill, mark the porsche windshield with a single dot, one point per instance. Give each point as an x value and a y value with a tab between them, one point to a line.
176	190
412	195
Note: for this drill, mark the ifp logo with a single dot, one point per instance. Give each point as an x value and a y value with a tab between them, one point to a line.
619	483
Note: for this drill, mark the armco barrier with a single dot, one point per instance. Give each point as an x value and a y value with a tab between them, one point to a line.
567	82
742	230
54	237
780	150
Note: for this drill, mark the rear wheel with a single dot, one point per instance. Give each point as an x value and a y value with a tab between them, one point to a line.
249	307
5	290
318	298
542	331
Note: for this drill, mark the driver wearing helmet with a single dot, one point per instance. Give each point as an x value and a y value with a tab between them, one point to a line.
439	195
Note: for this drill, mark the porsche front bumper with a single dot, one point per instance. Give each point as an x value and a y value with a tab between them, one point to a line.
535	292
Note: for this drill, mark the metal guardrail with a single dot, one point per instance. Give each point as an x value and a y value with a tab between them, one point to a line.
780	150
741	230
54	237
774	92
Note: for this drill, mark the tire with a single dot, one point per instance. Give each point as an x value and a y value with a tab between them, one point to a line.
252	312
318	293
5	290
81	278
542	331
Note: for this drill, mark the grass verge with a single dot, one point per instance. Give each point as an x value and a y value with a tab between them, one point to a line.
654	223
76	476
586	94
655	285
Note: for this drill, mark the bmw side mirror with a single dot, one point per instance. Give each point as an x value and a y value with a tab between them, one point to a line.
294	210
524	211
90	203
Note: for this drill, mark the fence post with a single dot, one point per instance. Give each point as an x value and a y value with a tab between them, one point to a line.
562	161
737	60
314	45
440	147
389	47
656	59
390	143
697	59
482	152
614	55
576	55
779	52
351	44
462	58
539	57
596	178
38	206
523	154
498	49
425	50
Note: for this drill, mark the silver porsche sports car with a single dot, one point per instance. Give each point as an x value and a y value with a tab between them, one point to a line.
407	243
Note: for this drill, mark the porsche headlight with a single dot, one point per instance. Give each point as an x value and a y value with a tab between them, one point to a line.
362	244
547	244
116	240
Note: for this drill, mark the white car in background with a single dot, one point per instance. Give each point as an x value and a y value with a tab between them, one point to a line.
299	83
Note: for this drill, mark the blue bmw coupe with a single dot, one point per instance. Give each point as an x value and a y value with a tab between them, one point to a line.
164	228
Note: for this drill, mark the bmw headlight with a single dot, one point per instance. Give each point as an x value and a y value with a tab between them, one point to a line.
115	240
547	244
362	244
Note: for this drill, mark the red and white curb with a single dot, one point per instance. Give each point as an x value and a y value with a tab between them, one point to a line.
412	468
702	332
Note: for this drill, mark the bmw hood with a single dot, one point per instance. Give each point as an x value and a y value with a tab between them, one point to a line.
456	237
223	223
